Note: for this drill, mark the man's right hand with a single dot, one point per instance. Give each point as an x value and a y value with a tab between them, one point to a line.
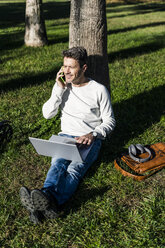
59	81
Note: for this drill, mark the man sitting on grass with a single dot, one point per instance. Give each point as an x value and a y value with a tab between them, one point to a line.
87	116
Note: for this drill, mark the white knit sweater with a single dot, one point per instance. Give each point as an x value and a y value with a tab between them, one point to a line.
83	109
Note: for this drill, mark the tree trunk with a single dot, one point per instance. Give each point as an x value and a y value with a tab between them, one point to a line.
88	28
35	32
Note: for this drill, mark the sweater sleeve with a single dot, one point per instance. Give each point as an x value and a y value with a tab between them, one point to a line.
50	108
107	115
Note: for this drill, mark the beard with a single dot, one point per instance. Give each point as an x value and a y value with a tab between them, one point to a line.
78	77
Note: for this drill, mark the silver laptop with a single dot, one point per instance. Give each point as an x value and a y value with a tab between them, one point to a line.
61	147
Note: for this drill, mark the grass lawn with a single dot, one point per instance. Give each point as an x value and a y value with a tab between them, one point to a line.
108	209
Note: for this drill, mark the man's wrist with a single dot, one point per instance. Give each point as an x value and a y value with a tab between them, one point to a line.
94	134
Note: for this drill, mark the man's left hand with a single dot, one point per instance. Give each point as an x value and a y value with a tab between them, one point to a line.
86	139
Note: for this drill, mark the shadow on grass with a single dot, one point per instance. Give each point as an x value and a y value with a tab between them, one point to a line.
12	14
56	10
81	197
134	5
123	30
137	51
27	80
58	40
136	8
16	40
133	117
11	41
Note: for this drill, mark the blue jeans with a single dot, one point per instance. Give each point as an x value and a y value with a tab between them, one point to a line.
64	175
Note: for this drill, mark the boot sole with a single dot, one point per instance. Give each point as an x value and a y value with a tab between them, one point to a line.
26	199
39	200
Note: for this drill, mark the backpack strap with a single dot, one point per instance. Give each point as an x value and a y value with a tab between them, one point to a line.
138	177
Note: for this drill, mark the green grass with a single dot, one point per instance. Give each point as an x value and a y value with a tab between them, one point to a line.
108	210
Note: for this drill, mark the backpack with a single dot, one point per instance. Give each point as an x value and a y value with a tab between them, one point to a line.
153	157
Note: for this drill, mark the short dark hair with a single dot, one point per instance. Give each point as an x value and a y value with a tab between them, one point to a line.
78	53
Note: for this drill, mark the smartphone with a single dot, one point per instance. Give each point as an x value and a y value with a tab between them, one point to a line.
63	78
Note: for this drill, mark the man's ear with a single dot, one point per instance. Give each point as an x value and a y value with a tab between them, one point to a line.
84	68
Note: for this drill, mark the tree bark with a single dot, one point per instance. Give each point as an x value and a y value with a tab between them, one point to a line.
88	28
35	32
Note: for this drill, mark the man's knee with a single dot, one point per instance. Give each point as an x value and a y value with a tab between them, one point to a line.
77	169
59	161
